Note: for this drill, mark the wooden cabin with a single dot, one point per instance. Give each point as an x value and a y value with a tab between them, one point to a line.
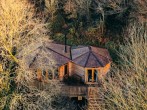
56	61
85	64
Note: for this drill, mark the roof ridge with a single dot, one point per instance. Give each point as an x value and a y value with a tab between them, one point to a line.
98	60
57	52
81	55
87	59
36	56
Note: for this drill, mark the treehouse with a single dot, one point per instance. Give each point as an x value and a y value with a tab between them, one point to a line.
84	66
51	61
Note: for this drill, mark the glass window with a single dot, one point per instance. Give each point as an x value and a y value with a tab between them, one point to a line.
50	75
43	74
89	75
95	75
66	70
92	75
56	74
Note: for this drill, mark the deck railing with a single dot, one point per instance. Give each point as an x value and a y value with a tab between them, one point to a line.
69	90
74	91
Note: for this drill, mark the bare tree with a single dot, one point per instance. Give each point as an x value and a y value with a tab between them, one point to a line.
125	87
18	28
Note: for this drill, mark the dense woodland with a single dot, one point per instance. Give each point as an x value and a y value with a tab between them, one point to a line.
118	25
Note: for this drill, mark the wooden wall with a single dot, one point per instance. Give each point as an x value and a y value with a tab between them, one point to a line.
70	68
104	70
74	91
76	69
1	68
61	72
81	71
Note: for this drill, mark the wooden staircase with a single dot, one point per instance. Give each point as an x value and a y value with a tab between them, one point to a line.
93	98
93	103
89	92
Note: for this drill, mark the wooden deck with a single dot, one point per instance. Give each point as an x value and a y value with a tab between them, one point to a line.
66	90
70	90
74	91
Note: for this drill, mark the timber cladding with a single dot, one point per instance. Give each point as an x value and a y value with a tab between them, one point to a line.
1	68
83	72
103	71
78	70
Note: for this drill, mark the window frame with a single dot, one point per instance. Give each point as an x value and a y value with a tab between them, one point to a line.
93	78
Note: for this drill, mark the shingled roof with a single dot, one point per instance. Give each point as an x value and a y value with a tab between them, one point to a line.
90	56
46	54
